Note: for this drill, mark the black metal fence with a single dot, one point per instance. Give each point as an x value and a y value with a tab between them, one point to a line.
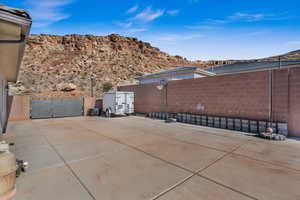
237	124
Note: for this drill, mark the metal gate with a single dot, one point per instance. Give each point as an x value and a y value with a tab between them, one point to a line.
52	108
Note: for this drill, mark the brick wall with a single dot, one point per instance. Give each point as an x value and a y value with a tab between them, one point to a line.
294	102
238	95
244	95
280	95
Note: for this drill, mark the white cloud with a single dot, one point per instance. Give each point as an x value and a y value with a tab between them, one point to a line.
47	12
173	38
247	17
148	15
132	9
136	30
200	27
244	17
124	24
173	12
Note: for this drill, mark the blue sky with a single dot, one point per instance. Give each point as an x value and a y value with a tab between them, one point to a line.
195	29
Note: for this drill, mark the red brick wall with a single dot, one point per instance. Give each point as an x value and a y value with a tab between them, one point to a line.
238	95
280	95
243	95
147	97
294	102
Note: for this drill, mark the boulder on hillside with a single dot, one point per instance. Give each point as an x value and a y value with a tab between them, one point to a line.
66	87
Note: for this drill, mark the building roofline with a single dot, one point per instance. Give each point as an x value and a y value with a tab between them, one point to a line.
251	66
177	70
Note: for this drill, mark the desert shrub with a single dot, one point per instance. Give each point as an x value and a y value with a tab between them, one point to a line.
107	86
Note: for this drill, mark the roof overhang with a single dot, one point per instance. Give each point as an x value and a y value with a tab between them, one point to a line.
15	25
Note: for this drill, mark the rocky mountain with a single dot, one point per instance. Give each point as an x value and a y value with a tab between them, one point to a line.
51	60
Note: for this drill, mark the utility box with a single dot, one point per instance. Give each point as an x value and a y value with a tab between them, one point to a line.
118	103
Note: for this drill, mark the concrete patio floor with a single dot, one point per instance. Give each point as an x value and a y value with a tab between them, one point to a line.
135	158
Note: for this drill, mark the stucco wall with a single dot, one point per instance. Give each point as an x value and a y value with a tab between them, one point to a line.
20	109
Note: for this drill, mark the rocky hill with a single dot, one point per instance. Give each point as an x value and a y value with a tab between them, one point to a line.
52	60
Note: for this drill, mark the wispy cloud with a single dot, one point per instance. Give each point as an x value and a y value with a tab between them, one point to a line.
173	12
200	27
173	38
136	30
244	17
47	12
148	15
132	9
138	22
124	24
247	17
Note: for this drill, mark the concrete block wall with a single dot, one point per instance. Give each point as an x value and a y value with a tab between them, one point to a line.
294	102
231	95
280	95
236	95
239	95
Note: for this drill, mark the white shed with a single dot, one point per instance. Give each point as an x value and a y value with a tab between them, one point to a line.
118	103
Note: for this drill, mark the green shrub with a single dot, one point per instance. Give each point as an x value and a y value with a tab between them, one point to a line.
107	86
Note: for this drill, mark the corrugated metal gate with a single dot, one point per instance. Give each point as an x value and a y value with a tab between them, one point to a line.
56	107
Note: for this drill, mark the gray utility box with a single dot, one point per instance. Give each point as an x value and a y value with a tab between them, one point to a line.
118	103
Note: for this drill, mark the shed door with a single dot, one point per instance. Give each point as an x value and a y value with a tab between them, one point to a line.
120	103
129	107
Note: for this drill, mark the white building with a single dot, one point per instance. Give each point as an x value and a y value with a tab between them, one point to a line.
177	73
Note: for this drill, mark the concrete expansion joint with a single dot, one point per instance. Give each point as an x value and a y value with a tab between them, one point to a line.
230	188
266	162
71	170
141	151
197	173
173	187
